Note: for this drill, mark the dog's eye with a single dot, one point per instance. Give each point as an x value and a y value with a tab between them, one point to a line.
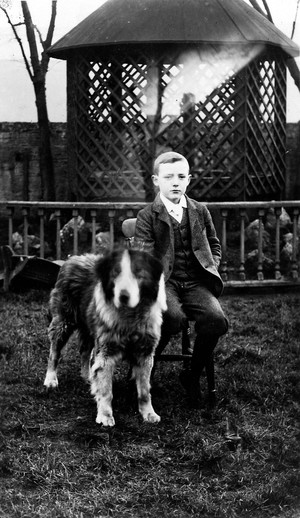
139	271
115	272
142	274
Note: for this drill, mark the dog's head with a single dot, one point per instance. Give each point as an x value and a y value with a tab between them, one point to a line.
130	276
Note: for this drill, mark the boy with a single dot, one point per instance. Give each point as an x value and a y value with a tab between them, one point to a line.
181	232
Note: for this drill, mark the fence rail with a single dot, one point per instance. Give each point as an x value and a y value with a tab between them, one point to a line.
260	240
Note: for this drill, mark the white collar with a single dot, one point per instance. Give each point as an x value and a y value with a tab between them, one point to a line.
174	209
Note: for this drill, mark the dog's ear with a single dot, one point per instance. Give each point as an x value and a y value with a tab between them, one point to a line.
158	266
153	261
101	267
146	250
105	271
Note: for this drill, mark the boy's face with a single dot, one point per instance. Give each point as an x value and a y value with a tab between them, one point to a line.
172	180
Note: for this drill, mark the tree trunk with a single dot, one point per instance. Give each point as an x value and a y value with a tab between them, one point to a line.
37	73
39	83
45	150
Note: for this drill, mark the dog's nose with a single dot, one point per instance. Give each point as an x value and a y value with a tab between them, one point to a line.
124	297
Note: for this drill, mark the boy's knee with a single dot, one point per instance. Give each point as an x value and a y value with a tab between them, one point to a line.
216	325
222	325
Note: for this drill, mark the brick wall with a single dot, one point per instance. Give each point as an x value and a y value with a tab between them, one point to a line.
19	167
19	161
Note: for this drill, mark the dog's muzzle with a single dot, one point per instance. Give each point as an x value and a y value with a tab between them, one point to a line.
126	291
124	297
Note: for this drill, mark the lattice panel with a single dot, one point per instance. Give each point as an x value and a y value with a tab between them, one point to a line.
266	116
229	125
109	135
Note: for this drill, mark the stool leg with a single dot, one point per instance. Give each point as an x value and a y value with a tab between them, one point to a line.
186	346
210	375
186	343
203	357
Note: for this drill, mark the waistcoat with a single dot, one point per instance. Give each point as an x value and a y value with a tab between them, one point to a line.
186	265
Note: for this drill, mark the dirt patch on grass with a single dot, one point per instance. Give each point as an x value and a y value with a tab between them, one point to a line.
55	461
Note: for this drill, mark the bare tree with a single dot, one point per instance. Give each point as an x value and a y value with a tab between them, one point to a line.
291	63
37	68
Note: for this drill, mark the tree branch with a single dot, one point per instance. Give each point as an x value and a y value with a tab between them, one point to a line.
27	65
39	34
257	7
268	11
34	57
51	27
290	63
46	44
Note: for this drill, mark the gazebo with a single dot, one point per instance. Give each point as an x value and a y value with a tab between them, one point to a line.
206	78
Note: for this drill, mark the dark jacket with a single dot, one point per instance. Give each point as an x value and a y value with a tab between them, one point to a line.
154	231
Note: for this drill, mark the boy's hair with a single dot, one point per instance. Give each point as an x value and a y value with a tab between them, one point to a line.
169	157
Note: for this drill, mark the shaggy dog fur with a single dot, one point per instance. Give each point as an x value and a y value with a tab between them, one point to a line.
115	303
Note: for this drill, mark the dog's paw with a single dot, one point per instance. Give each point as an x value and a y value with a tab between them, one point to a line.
105	420
147	412
51	380
151	418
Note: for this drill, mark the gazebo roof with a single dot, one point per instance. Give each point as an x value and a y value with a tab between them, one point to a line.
119	22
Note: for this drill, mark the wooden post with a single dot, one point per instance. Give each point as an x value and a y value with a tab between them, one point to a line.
111	216
277	243
295	242
58	239
93	216
10	211
224	214
75	213
25	223
41	214
260	274
242	245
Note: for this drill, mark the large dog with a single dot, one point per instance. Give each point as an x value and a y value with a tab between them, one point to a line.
115	303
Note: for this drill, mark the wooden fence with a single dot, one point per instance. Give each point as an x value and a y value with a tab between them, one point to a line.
268	257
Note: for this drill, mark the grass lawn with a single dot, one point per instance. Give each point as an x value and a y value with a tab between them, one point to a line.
241	460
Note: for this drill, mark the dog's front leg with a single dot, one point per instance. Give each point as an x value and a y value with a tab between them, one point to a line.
85	354
59	332
101	380
141	373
